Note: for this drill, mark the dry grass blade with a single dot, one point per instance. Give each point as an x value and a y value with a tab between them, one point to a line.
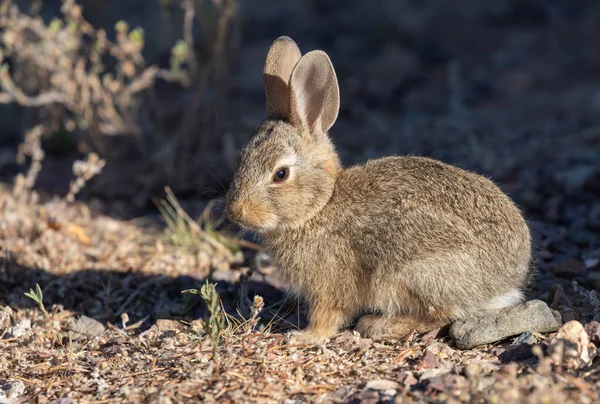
186	233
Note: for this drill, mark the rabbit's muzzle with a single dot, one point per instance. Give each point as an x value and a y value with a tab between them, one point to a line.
235	212
249	213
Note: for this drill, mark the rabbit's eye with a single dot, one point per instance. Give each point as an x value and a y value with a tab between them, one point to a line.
281	174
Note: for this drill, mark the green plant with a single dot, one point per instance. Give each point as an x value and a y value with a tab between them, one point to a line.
214	321
38	297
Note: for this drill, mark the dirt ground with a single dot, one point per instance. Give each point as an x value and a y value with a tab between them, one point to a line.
510	89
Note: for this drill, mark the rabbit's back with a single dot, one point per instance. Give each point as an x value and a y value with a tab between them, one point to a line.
413	228
444	203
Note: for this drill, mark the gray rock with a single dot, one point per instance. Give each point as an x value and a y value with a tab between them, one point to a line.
86	327
534	315
526	338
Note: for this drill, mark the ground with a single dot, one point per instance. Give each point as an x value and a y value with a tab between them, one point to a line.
118	327
510	89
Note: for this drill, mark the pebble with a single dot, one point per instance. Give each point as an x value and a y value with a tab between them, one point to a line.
571	346
85	326
593	330
11	391
20	329
382	384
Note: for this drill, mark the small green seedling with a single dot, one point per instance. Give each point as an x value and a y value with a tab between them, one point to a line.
214	322
38	297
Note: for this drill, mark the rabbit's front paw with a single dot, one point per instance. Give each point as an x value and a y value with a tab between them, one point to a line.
306	336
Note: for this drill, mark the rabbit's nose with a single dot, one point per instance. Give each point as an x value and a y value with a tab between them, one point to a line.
235	211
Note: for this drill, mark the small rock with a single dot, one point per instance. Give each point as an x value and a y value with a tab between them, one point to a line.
165	324
571	346
11	391
560	302
431	335
591	262
381	384
351	340
525	338
407	379
593	331
440	349
428	361
23	327
568	268
86	327
390	392
534	315
568	314
558	297
431	373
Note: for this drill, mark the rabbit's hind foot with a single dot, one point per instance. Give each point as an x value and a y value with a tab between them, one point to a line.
397	327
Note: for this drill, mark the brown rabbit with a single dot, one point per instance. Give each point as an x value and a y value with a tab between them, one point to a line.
408	243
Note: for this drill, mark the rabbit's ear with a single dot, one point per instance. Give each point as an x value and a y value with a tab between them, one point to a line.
315	95
281	60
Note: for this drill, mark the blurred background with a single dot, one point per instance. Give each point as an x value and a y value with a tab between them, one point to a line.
164	92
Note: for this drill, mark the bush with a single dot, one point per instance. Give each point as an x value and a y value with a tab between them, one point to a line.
105	95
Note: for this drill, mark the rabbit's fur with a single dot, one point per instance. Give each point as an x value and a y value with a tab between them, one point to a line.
409	243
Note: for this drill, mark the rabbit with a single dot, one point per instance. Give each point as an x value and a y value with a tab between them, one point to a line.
401	244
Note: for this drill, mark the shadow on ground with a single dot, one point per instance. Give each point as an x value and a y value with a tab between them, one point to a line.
107	293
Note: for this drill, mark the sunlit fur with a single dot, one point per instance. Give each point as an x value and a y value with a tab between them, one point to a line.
411	242
397	236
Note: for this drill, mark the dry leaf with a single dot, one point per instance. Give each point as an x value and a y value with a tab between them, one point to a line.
79	232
